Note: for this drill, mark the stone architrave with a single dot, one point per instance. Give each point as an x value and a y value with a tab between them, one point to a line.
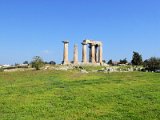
95	53
75	60
65	53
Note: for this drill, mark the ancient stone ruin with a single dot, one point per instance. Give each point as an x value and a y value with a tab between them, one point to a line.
95	53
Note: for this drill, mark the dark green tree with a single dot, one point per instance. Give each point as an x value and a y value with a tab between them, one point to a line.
136	59
152	64
110	62
52	63
25	62
37	62
104	61
124	61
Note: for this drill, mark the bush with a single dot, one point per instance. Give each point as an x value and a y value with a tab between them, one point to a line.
52	63
37	62
110	62
25	62
104	61
1	69
124	61
46	62
152	64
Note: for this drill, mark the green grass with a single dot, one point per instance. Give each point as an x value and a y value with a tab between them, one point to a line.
70	95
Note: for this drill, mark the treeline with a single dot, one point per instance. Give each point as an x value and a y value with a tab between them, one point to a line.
151	64
37	62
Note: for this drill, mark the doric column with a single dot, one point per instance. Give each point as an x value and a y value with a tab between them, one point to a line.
65	53
96	53
100	54
75	59
90	53
84	52
93	53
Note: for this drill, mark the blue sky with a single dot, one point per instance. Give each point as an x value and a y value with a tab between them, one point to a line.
36	27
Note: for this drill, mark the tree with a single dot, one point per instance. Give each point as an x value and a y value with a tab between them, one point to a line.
52	63
124	61
37	62
25	62
46	62
136	59
110	62
152	64
16	64
104	61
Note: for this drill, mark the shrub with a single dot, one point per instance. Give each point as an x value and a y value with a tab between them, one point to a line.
124	61
152	64
110	62
37	62
104	61
1	69
25	62
52	63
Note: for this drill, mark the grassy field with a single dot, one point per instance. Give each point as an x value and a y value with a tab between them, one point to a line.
70	95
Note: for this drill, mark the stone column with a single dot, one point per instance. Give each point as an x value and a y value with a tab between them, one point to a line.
96	53
75	59
90	53
65	53
93	53
84	52
100	54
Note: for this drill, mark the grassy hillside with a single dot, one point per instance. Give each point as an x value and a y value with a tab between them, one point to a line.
70	95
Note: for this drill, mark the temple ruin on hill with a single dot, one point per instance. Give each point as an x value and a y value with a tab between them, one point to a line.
95	52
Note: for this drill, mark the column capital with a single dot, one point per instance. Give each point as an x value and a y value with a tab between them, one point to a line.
84	43
100	45
65	41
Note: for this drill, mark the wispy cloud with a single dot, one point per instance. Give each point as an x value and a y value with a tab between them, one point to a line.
45	51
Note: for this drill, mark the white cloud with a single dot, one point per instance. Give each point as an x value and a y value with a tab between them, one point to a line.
45	51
